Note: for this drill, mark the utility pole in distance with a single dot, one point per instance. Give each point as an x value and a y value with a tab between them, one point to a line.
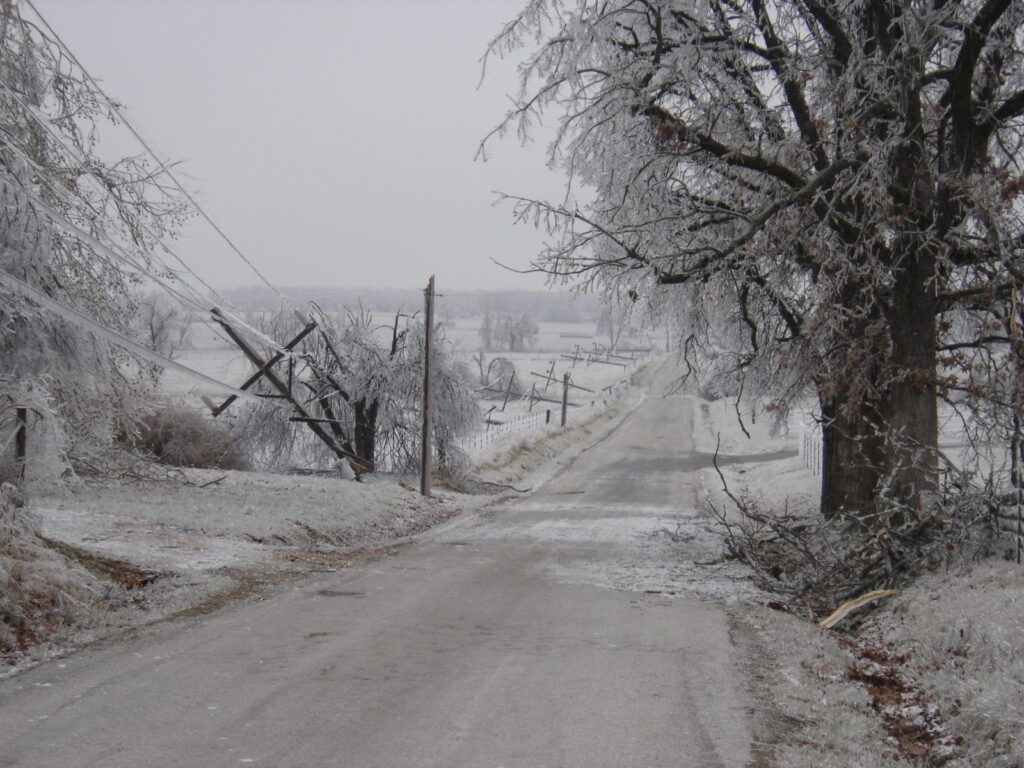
565	396
428	407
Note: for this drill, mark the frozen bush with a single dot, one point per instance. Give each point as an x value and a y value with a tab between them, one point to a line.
184	438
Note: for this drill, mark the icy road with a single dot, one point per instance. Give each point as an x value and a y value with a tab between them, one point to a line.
541	633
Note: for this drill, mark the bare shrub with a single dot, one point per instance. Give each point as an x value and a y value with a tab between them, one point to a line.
184	438
820	562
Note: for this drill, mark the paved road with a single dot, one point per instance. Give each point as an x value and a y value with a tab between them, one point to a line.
504	639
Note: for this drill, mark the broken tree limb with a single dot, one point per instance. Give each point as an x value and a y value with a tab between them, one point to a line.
850	606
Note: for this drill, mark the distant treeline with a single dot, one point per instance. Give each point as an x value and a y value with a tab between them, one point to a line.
543	306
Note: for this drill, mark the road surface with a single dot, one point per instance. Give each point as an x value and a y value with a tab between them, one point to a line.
521	637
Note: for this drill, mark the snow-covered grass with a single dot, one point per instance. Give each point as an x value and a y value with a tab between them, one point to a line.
209	519
43	595
952	641
963	638
820	718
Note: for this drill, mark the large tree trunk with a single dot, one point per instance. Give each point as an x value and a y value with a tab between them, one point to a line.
852	459
853	443
365	432
912	408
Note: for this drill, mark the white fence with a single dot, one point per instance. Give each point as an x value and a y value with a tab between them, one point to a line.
497	427
810	448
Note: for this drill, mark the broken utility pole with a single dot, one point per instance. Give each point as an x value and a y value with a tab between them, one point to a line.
264	369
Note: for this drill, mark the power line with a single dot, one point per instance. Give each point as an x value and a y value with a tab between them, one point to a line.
163	166
117	253
60	220
75	317
85	164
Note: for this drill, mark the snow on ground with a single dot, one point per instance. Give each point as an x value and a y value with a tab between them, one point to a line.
946	656
170	525
956	637
723	420
198	538
963	638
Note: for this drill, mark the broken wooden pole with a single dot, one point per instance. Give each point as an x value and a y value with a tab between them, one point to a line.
263	369
592	359
282	388
508	390
574	386
550	376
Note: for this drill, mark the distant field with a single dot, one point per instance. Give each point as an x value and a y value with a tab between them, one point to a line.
551	337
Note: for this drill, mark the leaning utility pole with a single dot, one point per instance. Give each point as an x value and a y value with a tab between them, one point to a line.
428	364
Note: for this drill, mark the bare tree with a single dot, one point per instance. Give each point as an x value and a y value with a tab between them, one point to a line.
75	227
487	333
164	325
515	333
840	184
364	380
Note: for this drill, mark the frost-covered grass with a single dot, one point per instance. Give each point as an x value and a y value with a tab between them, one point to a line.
955	639
43	595
237	519
963	634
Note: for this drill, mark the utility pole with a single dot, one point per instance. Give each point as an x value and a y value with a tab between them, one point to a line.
565	396
428	364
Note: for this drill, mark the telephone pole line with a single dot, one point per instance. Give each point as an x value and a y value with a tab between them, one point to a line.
428	407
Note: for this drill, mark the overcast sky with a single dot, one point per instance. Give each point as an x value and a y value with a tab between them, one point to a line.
334	141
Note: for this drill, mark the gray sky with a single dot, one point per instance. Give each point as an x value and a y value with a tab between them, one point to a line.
332	140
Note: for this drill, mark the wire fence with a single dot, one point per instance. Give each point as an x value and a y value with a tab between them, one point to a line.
495	429
496	426
811	448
